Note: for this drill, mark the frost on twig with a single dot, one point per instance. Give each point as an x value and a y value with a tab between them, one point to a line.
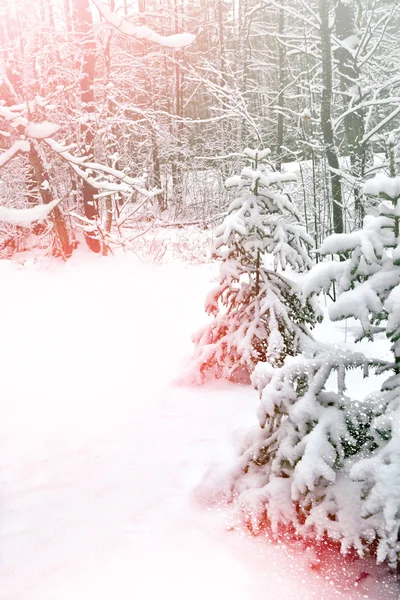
177	40
104	179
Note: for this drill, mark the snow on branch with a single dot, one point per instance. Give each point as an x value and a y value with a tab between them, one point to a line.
380	125
27	216
41	131
17	147
122	182
383	186
177	40
14	115
102	178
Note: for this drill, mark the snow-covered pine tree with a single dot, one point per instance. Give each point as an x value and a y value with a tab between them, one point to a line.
293	471
379	473
258	313
323	464
328	465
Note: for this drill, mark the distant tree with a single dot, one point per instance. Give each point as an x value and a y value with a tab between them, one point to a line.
258	312
55	66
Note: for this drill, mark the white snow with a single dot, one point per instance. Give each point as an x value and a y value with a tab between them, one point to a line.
351	42
100	452
256	154
382	184
177	40
41	130
17	146
85	168
27	216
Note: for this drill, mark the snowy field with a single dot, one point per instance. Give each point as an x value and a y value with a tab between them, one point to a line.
100	451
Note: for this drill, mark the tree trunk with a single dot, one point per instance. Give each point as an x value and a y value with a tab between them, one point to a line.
281	97
42	176
221	40
84	25
68	15
353	122
162	201
326	118
177	165
107	223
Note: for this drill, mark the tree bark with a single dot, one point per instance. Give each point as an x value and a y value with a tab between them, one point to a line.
162	201
42	176
84	25
281	96
331	152
353	122
177	165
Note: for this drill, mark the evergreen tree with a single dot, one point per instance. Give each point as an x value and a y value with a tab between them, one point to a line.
294	470
379	473
323	463
258	312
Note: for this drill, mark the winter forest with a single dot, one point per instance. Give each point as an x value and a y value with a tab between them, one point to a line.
200	307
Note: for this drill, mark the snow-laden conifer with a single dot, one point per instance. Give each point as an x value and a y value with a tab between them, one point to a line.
324	464
293	471
346	484
369	287
258	313
379	473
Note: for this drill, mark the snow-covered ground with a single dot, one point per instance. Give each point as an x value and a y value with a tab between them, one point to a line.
100	450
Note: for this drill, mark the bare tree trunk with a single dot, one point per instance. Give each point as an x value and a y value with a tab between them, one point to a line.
221	39
42	176
162	201
50	13
111	147
68	15
107	223
84	25
281	97
177	166
326	118
353	122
